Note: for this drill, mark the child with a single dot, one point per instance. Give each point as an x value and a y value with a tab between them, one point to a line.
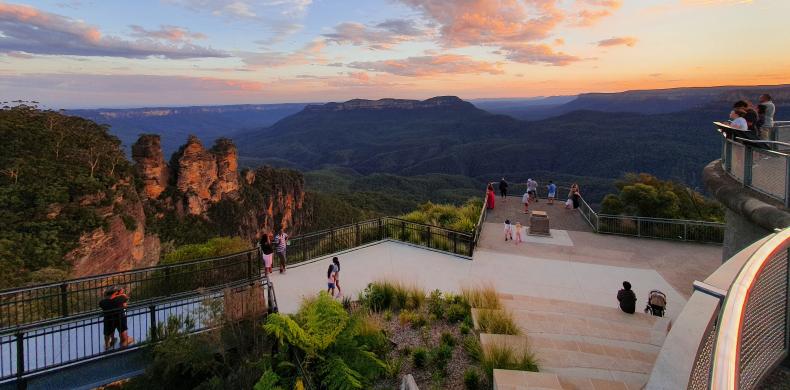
525	200
330	280
552	188
508	230
518	233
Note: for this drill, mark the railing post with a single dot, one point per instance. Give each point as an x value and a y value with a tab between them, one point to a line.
430	236
638	227
153	325
20	361
332	245
249	266
787	182
357	236
685	231
381	231
304	249
747	165
403	231
64	300
728	153
455	242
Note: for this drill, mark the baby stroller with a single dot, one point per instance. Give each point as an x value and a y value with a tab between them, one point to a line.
656	303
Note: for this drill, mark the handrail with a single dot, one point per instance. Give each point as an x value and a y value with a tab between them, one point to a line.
727	352
688	233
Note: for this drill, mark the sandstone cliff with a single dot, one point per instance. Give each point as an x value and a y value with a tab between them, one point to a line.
150	165
204	177
122	245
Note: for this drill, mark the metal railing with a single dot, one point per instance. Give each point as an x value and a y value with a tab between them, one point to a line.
763	166
661	228
308	247
76	296
35	348
753	331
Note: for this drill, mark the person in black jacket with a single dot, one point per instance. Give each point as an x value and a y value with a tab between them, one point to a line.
113	308
503	188
627	298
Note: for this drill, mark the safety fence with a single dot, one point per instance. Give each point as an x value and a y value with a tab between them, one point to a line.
660	228
735	328
308	247
76	296
34	348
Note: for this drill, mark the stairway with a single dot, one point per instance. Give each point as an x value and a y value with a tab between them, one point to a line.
579	346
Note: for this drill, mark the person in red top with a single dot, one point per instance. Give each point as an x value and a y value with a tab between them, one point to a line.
113	308
490	197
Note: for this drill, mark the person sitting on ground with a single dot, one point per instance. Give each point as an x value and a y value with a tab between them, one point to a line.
627	298
113	308
552	190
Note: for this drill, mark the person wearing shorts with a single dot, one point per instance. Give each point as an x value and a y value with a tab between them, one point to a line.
330	280
552	189
281	243
113	308
267	251
336	264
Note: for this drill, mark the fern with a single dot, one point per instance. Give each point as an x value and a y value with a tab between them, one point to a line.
269	381
337	375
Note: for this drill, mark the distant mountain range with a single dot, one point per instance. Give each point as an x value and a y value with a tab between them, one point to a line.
174	124
597	135
655	101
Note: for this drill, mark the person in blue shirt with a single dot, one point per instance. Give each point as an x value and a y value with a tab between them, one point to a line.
552	189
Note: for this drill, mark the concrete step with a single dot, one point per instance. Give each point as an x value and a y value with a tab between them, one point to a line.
549	305
577	354
522	380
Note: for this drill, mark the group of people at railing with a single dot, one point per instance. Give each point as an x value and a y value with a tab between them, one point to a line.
271	244
531	194
756	121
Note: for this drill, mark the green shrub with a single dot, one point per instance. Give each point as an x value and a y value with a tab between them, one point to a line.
420	357
472	347
447	338
456	312
507	357
482	297
464	329
371	335
497	322
393	295
387	315
471	379
441	355
218	246
460	218
436	304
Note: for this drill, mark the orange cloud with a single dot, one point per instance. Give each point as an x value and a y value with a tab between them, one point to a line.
476	22
591	11
536	54
168	33
429	66
618	41
310	53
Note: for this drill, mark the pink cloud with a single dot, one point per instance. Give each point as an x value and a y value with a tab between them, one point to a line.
589	12
476	22
383	35
33	31
429	66
618	41
536	54
168	33
310	53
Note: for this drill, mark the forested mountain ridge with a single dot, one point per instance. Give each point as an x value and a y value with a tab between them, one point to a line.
460	139
174	124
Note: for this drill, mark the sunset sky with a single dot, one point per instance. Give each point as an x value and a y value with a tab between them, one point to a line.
107	53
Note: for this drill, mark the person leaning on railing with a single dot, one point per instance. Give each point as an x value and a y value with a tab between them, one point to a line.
114	312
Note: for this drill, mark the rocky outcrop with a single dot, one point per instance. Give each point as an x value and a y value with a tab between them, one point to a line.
150	165
281	201
205	177
122	245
